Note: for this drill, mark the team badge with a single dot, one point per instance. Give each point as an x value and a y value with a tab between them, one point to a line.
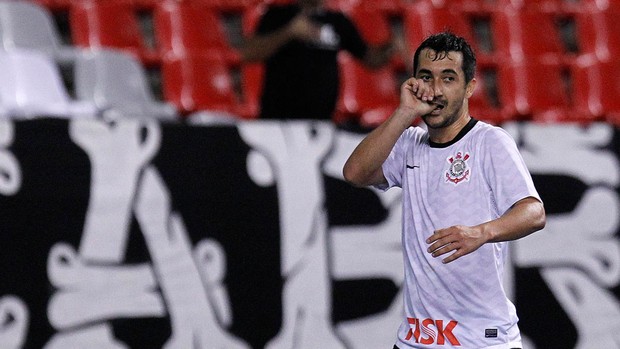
458	171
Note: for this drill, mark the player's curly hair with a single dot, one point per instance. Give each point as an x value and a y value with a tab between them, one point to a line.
445	42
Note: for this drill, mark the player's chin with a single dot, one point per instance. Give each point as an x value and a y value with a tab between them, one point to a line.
433	120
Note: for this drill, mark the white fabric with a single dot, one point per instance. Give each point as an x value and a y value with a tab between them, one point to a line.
474	180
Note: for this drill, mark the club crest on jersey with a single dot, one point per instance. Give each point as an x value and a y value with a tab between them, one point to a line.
459	170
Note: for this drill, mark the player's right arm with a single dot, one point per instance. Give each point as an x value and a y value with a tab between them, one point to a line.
260	47
363	168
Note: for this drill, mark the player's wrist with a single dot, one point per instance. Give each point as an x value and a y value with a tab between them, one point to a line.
406	114
487	232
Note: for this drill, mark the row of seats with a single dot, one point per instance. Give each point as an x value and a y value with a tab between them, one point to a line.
188	55
180	26
107	84
381	5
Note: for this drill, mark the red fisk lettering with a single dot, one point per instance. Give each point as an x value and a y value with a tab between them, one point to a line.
423	332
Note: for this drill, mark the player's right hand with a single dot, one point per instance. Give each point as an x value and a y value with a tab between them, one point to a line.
417	97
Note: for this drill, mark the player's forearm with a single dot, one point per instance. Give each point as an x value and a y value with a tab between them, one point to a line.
363	167
261	47
525	217
378	56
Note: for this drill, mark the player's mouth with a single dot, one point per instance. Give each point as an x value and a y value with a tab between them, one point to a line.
438	108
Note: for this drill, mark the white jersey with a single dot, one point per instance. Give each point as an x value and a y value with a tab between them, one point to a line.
473	179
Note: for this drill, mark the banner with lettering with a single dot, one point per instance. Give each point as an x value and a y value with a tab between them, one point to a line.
132	234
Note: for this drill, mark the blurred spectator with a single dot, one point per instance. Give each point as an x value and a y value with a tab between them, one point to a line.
299	44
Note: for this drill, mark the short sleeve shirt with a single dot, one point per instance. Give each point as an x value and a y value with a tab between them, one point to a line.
473	179
302	79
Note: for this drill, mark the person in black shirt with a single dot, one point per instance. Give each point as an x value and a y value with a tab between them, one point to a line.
299	44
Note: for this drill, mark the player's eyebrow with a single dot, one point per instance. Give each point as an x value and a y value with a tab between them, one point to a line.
445	71
425	71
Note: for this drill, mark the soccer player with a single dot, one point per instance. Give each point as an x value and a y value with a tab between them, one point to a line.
466	193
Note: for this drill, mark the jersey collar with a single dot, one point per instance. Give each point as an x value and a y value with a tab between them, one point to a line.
470	124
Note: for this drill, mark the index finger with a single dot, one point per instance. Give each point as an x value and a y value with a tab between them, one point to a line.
437	234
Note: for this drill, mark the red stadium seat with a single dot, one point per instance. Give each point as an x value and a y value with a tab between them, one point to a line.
549	6
373	25
202	83
483	104
596	90
423	19
251	17
111	24
534	90
252	87
227	5
528	34
368	96
472	6
384	7
598	31
184	28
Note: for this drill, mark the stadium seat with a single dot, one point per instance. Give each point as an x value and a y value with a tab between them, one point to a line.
472	6
423	19
528	34
237	6
26	25
187	28
381	7
534	90
252	87
32	87
596	90
549	6
483	104
111	24
368	96
252	72
202	82
115	80
55	5
373	25
598	31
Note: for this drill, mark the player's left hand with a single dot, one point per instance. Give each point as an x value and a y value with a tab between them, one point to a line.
459	239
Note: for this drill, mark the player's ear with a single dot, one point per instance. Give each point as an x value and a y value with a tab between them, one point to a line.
470	88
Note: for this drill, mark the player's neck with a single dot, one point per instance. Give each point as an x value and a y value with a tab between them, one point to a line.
448	133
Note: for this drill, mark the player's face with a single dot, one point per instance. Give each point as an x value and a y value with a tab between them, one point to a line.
447	79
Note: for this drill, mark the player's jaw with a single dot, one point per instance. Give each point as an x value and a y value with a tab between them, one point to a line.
442	116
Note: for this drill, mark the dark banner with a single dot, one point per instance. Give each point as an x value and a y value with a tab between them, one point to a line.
144	235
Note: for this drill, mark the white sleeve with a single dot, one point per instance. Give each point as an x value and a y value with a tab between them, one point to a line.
394	165
505	170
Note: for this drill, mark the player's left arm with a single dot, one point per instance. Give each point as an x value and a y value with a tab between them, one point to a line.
525	217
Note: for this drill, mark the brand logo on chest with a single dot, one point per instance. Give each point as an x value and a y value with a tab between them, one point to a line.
459	170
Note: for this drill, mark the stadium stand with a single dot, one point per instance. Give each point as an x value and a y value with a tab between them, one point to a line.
597	89
567	48
32	87
366	95
114	80
535	91
528	34
424	18
202	82
112	24
25	25
597	31
185	28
